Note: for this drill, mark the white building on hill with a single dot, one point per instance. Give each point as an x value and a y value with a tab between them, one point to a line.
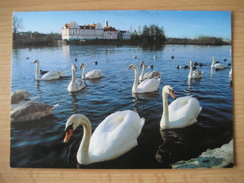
73	31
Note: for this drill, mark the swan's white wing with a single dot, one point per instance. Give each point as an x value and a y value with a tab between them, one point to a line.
183	112
31	111
219	66
52	75
148	85
152	74
115	135
94	74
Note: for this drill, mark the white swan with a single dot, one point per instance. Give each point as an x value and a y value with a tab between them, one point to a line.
194	74
21	97
148	85
94	74
31	111
181	112
75	84
114	136
51	75
149	75
218	65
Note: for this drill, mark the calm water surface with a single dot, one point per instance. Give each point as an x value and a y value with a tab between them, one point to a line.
40	144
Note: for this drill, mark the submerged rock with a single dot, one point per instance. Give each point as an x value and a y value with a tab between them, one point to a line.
212	158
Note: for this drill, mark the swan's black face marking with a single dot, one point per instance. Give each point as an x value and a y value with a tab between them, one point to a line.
69	127
130	67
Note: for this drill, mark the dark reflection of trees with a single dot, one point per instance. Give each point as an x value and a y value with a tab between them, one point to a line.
153	47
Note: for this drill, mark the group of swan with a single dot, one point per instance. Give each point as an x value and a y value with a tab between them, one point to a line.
118	132
24	109
76	83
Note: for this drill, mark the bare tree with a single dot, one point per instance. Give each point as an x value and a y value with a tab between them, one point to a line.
17	25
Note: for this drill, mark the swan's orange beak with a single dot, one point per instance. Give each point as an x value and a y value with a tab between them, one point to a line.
68	135
172	94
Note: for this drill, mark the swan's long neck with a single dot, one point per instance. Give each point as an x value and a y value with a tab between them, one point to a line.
83	76
164	123
190	72
83	152
142	72
37	72
213	62
135	84
73	75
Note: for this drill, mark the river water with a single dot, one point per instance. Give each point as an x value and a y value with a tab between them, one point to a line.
39	143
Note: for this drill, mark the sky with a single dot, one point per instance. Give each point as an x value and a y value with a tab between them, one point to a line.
176	24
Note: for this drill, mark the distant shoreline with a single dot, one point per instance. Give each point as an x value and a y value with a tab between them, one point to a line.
171	41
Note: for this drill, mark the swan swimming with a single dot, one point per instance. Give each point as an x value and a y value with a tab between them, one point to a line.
94	74
31	111
113	137
218	65
21	97
194	74
75	84
148	85
181	113
51	75
149	75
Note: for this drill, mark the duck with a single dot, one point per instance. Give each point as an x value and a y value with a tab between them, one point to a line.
31	111
217	66
95	63
194	74
181	113
21	97
51	75
75	84
94	74
113	137
43	72
149	75
146	86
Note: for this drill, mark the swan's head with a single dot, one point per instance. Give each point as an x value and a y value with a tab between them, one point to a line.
142	63
82	65
72	123
169	90
73	67
131	66
36	62
213	58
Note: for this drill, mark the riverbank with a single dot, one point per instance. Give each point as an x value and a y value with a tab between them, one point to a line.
212	158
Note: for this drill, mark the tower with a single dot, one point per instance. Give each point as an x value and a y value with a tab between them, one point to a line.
106	23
